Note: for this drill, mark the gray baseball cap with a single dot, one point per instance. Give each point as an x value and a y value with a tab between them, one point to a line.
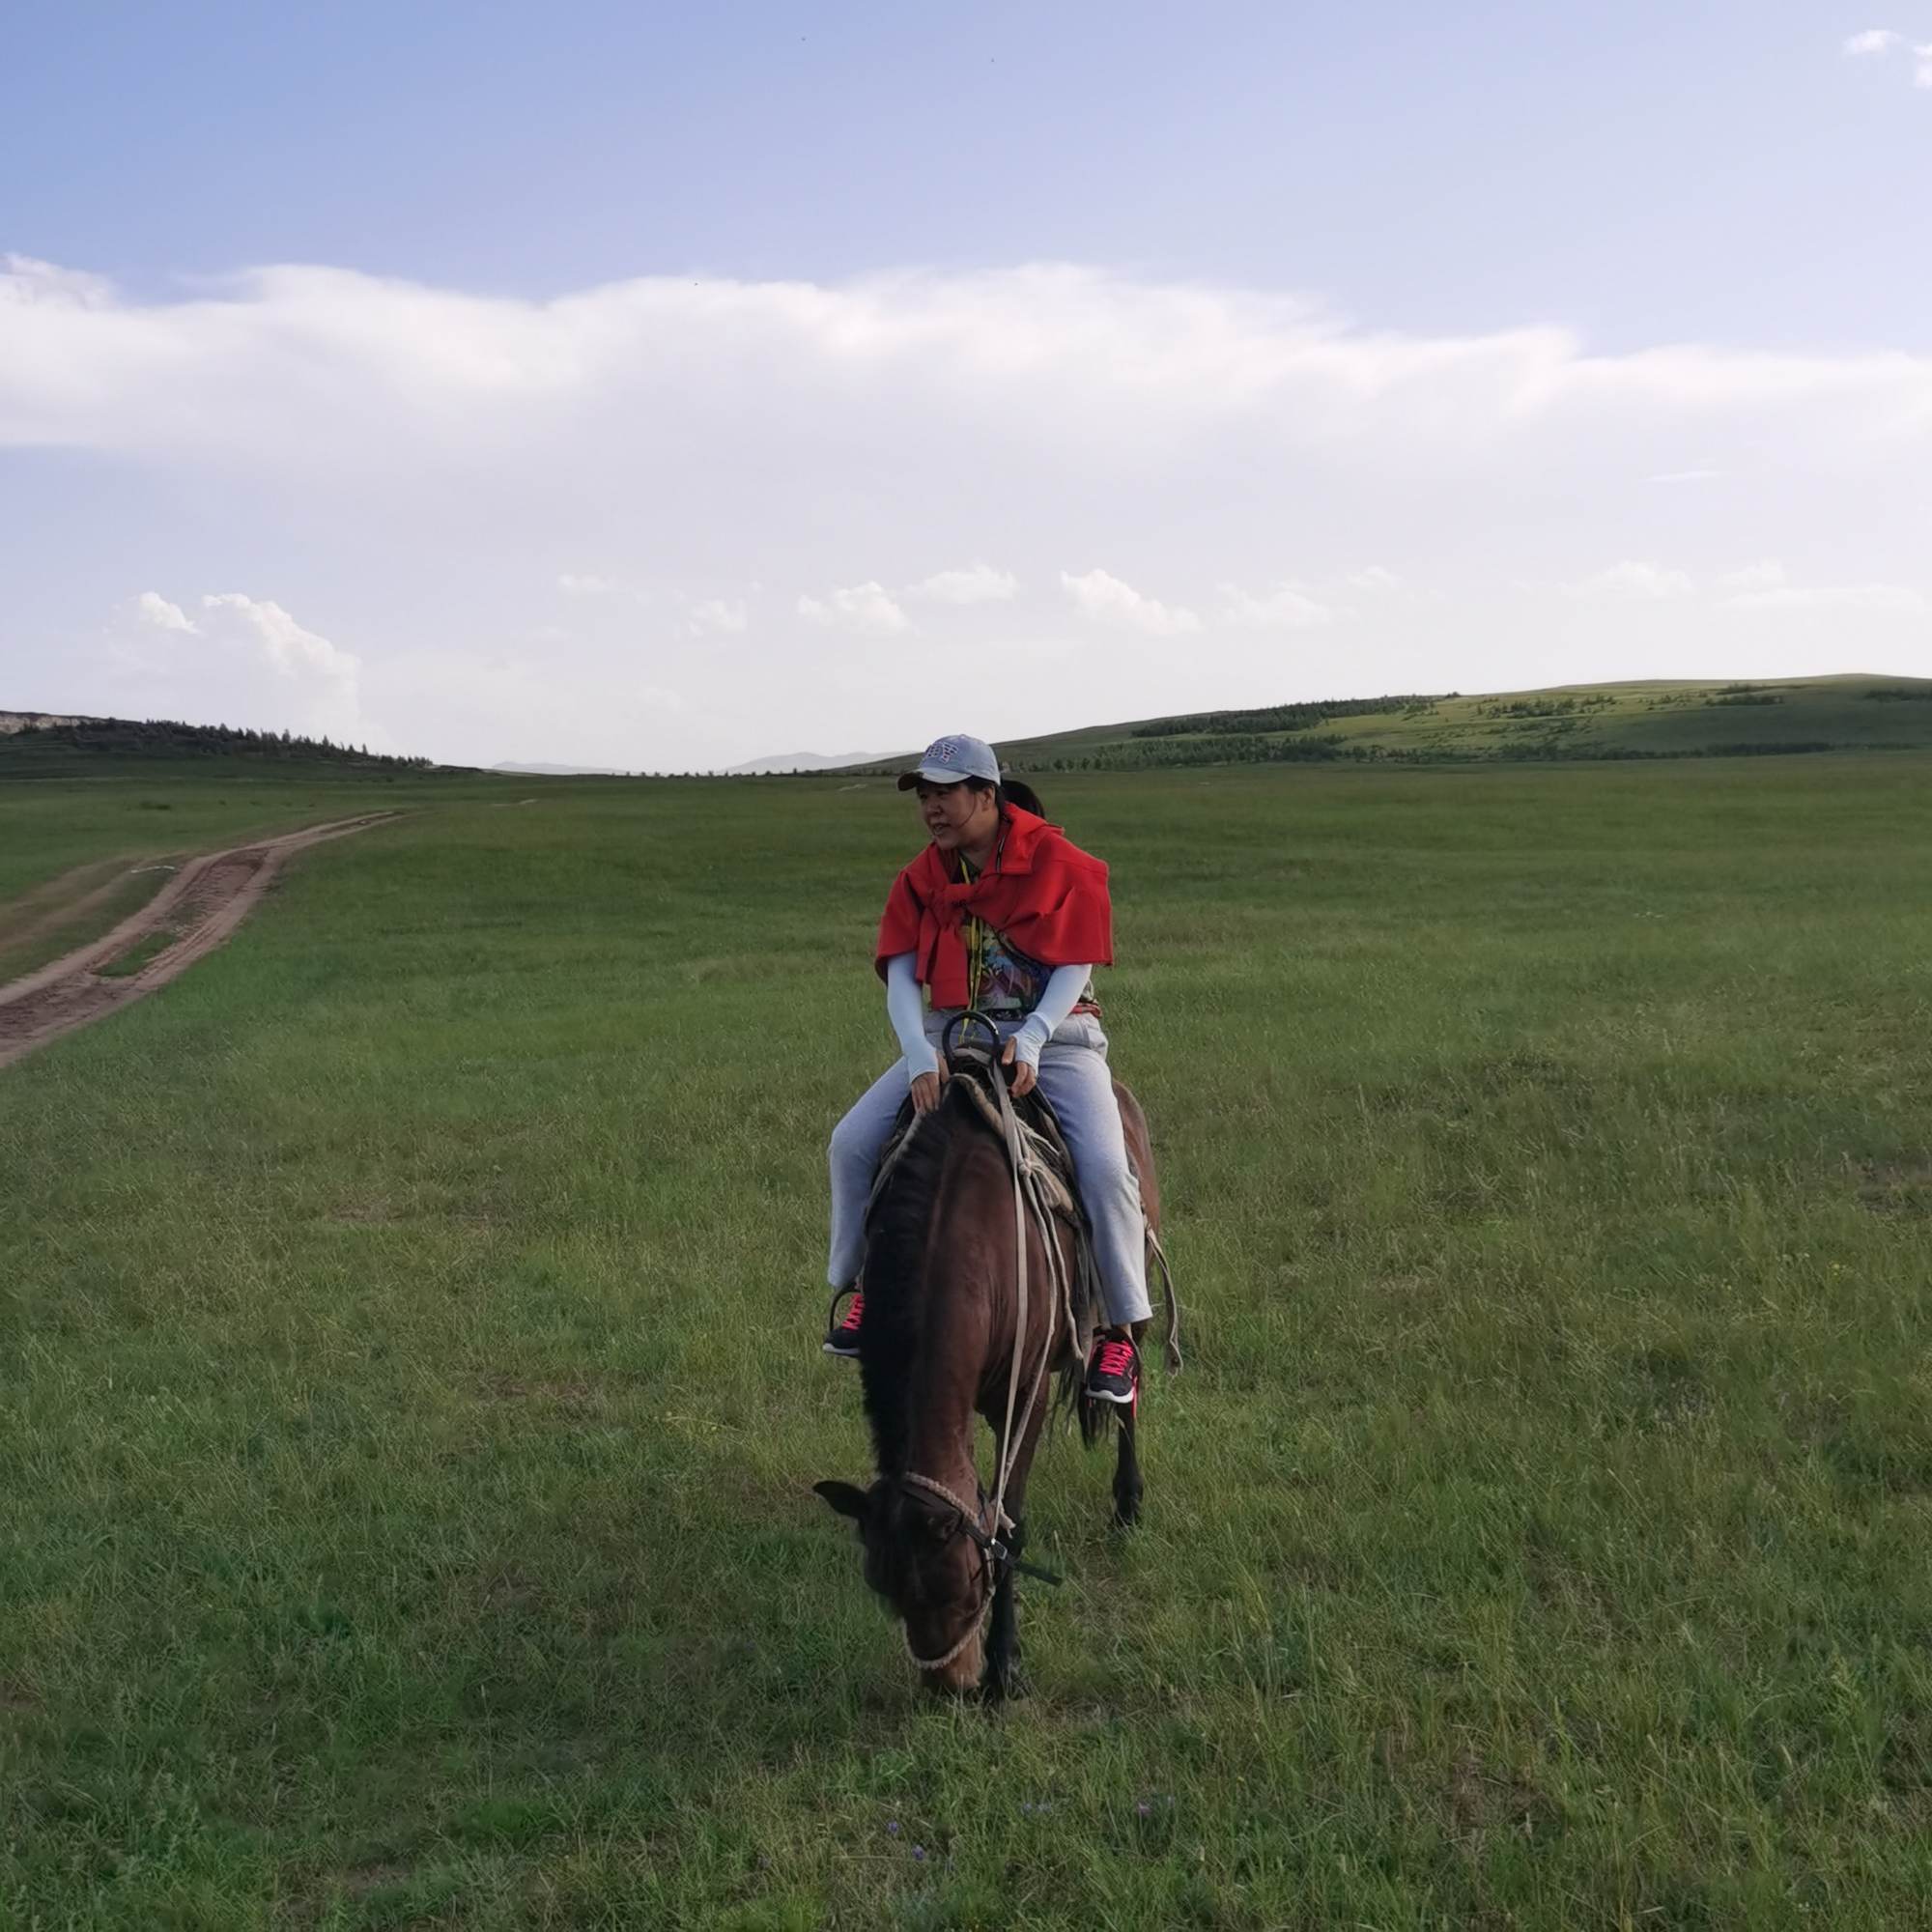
947	760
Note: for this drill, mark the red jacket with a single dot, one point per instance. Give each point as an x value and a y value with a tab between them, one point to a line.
1042	894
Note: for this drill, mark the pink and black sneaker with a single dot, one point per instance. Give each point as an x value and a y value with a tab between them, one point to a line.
843	1339
1112	1370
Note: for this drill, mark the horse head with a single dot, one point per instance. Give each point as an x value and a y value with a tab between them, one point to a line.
931	1563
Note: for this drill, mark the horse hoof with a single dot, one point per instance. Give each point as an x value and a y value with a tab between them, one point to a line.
998	1690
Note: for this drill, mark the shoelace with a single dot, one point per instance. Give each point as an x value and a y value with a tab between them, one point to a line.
853	1314
1117	1359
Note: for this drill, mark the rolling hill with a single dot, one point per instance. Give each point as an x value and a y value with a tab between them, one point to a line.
37	744
1853	712
1672	718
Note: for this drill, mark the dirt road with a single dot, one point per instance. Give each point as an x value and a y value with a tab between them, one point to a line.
191	915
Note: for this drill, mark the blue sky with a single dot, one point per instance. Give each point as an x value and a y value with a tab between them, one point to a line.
642	370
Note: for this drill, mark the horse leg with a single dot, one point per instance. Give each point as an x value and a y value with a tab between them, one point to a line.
1002	1679
1128	1472
1003	1637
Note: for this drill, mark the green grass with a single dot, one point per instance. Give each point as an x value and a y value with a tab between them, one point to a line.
144	951
71	820
71	909
146	811
412	1394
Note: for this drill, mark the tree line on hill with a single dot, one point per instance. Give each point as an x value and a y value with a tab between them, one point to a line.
1286	717
1127	757
170	738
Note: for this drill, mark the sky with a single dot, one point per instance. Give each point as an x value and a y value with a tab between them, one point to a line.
661	388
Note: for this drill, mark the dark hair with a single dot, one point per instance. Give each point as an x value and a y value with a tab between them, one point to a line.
1011	791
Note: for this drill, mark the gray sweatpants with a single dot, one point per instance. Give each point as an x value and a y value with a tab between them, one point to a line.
1074	1076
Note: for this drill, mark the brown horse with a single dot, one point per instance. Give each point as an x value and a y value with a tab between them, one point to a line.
937	1348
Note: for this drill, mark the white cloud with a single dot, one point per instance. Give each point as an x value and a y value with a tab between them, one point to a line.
156	609
289	647
866	607
1884	599
1637	580
980	584
1106	600
1764	586
1288	607
23	280
434	377
1768	575
250	663
717	613
1374	578
442	451
1885	40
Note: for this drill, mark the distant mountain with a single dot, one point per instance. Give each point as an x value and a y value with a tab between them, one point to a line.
802	761
540	771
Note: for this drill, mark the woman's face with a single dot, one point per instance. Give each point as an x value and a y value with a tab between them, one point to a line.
957	814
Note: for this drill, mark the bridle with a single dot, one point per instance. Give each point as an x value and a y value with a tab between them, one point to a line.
989	1534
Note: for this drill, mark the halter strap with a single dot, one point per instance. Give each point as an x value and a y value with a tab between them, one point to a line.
967	1516
992	1552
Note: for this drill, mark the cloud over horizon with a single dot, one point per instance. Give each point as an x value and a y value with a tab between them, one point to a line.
156	609
866	607
679	520
980	584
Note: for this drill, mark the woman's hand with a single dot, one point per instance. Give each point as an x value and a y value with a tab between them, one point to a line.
1025	1076
925	1088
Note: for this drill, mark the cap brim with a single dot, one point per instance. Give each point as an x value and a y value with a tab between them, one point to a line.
939	774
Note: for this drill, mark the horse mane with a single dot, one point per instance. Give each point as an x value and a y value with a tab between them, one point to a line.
896	1250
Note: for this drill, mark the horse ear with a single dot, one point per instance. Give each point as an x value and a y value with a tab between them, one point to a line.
845	1499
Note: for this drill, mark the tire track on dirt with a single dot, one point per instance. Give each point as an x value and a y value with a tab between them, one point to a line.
200	906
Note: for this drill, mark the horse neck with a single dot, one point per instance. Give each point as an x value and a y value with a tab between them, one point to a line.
961	1289
942	1389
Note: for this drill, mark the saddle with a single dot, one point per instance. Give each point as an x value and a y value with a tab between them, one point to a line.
1047	1184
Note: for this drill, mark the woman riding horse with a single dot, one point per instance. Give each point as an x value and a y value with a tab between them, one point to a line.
1002	914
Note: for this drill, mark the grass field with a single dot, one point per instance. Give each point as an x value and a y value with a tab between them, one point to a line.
409	1390
89	841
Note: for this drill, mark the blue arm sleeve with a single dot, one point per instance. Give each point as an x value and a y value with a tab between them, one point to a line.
907	1014
1039	1026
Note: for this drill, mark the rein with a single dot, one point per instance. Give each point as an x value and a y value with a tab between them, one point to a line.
996	1557
1025	1191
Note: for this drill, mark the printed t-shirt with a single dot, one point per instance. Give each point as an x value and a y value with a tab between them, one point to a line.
1002	979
